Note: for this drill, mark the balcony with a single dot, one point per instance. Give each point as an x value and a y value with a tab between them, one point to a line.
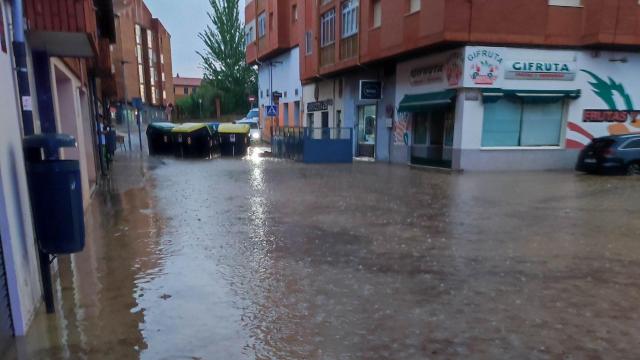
328	55
349	47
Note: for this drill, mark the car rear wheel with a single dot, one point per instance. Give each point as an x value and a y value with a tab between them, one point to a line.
633	169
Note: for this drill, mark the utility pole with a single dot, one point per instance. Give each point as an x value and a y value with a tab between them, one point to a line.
124	84
200	101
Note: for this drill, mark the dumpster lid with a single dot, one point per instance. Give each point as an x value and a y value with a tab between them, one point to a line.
162	125
49	142
234	129
189	127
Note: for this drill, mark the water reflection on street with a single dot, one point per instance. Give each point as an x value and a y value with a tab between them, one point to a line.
269	259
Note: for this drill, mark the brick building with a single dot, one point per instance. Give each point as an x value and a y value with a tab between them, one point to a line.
142	61
429	81
185	86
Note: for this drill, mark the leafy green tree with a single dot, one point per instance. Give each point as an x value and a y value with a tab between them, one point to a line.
189	106
224	57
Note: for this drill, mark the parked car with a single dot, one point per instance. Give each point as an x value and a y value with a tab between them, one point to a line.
618	154
253	114
255	134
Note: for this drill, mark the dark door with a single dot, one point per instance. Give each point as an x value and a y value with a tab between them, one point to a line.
6	326
325	124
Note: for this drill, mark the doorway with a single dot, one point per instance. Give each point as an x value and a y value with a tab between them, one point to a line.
366	130
433	137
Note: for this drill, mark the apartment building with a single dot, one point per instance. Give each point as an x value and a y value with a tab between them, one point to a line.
142	62
272	36
472	85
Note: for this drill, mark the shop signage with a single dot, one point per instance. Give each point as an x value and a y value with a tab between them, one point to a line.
370	90
426	74
319	105
541	70
484	66
610	116
453	69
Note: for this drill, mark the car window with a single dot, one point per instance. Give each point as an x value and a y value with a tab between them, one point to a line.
252	114
632	145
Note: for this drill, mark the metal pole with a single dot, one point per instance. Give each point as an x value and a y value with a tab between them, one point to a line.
47	287
139	121
20	57
126	106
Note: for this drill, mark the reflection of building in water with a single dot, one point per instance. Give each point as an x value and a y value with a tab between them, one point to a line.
98	289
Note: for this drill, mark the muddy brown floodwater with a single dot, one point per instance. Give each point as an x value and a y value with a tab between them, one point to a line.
267	259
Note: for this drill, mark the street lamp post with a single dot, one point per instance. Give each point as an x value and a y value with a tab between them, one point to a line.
200	101
124	84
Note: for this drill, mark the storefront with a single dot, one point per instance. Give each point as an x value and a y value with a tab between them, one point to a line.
486	108
427	90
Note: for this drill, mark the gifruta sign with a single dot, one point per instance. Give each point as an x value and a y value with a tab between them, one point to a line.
540	70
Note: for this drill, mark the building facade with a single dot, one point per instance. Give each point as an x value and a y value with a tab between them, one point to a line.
142	62
59	62
439	99
185	86
272	38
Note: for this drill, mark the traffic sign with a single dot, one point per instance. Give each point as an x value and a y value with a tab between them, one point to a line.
272	110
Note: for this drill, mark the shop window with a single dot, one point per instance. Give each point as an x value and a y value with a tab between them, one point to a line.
420	129
294	13
512	122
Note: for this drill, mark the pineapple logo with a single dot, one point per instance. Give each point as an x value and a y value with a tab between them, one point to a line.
614	95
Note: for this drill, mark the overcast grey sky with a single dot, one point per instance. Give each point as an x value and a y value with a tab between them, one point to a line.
184	19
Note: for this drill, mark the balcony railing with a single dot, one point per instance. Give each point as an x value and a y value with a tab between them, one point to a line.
349	47
328	55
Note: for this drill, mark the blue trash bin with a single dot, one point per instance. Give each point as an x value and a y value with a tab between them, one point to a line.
55	189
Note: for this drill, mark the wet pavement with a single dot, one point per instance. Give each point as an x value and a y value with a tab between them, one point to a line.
267	259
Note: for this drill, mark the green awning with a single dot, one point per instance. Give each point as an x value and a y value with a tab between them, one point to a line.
427	101
534	96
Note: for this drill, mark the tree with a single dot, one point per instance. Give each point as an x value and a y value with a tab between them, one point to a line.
224	58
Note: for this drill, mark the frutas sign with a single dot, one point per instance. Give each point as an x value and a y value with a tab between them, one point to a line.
617	116
540	70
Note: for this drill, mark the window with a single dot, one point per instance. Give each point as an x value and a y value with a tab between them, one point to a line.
571	3
632	145
512	122
327	28
151	55
377	14
349	18
294	13
308	38
186	90
262	25
140	61
414	5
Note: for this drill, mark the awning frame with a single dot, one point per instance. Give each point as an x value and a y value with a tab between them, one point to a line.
493	95
426	101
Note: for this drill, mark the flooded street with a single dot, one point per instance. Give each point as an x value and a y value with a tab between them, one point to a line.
269	259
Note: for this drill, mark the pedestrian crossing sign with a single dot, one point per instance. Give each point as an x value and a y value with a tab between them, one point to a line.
272	110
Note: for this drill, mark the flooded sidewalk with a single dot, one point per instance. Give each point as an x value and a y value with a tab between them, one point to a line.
266	259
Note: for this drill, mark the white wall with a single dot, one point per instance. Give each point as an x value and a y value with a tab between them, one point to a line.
285	77
69	120
16	227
